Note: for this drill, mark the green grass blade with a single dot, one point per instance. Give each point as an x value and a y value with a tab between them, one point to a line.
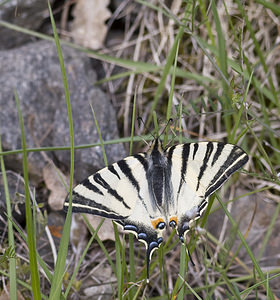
182	272
100	243
241	237
191	289
35	281
132	276
129	64
40	260
170	99
156	126
132	124
229	284
262	150
119	267
258	50
100	137
222	53
57	279
275	8
263	282
269	231
222	62
180	116
81	258
12	260
202	7
232	139
23	284
169	62
236	67
111	142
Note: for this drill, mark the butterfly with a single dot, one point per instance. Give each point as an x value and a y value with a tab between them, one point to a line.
146	192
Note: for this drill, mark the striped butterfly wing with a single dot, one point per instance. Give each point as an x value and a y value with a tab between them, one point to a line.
144	192
197	171
121	192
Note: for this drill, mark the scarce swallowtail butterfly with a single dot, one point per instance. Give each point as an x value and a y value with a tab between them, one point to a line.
146	192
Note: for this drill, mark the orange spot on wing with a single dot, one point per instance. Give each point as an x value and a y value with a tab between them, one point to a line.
155	222
174	218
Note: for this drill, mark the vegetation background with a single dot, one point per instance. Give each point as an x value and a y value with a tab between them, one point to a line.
214	68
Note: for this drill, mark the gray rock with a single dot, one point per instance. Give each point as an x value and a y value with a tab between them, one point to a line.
34	71
87	161
29	14
243	210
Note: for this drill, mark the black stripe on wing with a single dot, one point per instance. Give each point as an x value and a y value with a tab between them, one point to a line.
195	148
169	158
235	160
91	187
185	157
81	204
220	147
209	150
125	168
99	180
112	170
142	159
170	154
128	173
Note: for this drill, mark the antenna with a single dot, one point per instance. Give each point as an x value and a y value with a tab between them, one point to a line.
140	120
170	121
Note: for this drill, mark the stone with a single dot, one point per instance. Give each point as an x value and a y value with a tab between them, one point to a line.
253	216
29	14
34	71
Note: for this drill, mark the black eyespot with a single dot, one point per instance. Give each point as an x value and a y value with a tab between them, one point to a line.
182	239
161	225
185	227
142	236
130	227
172	224
160	240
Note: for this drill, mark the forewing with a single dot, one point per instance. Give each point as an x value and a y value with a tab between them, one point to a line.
197	171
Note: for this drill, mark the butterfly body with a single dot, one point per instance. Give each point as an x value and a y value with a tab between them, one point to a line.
147	192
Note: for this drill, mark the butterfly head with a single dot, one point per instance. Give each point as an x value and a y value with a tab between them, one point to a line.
156	147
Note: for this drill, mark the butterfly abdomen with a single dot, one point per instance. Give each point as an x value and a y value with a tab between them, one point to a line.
159	177
156	184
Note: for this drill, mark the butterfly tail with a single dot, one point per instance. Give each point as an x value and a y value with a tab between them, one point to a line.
148	266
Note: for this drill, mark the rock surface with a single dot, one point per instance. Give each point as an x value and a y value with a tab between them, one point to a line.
253	216
29	14
34	71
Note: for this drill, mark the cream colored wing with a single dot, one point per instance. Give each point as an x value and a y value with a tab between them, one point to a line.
121	192
198	170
